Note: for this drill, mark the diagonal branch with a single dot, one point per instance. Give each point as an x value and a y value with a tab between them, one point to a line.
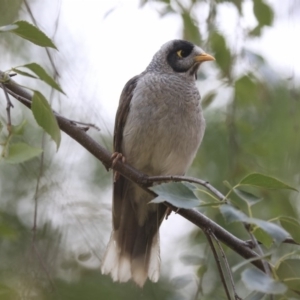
103	155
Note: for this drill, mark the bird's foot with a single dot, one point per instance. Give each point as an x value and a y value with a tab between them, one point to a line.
115	157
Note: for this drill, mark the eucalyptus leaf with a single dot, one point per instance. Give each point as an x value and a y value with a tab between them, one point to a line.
190	28
221	52
245	90
275	231
227	184
41	73
21	152
256	280
261	180
23	73
289	270
292	226
44	116
201	271
247	197
232	214
263	13
31	33
263	237
176	193
19	129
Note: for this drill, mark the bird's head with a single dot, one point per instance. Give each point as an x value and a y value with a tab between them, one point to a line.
179	56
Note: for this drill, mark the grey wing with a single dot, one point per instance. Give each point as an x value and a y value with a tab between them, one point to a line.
121	184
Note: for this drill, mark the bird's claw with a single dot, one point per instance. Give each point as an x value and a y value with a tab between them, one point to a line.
115	157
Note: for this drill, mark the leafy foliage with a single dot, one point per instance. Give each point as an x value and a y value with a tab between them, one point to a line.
31	33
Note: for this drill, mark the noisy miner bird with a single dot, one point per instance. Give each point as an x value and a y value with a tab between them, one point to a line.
158	129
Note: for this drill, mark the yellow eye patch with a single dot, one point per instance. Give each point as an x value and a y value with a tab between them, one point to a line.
179	53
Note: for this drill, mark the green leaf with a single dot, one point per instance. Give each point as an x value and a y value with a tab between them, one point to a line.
23	73
221	52
263	237
232	214
227	184
256	31
42	75
256	280
275	231
19	129
208	99
289	272
7	232
201	271
21	152
248	197
44	116
190	29
292	226
31	33
263	13
260	180
176	193
245	90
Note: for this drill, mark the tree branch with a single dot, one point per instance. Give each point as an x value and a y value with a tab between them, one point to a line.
102	154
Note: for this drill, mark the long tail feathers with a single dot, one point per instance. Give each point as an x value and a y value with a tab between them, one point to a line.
123	266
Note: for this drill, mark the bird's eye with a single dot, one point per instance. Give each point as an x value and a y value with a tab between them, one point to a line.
179	53
182	53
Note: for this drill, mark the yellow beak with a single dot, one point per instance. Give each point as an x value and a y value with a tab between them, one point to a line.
203	57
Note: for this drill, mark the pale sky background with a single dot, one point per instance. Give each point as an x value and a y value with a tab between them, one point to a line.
115	40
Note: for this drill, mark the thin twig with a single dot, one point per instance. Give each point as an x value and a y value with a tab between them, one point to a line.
8	106
34	228
227	266
200	289
44	266
212	246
